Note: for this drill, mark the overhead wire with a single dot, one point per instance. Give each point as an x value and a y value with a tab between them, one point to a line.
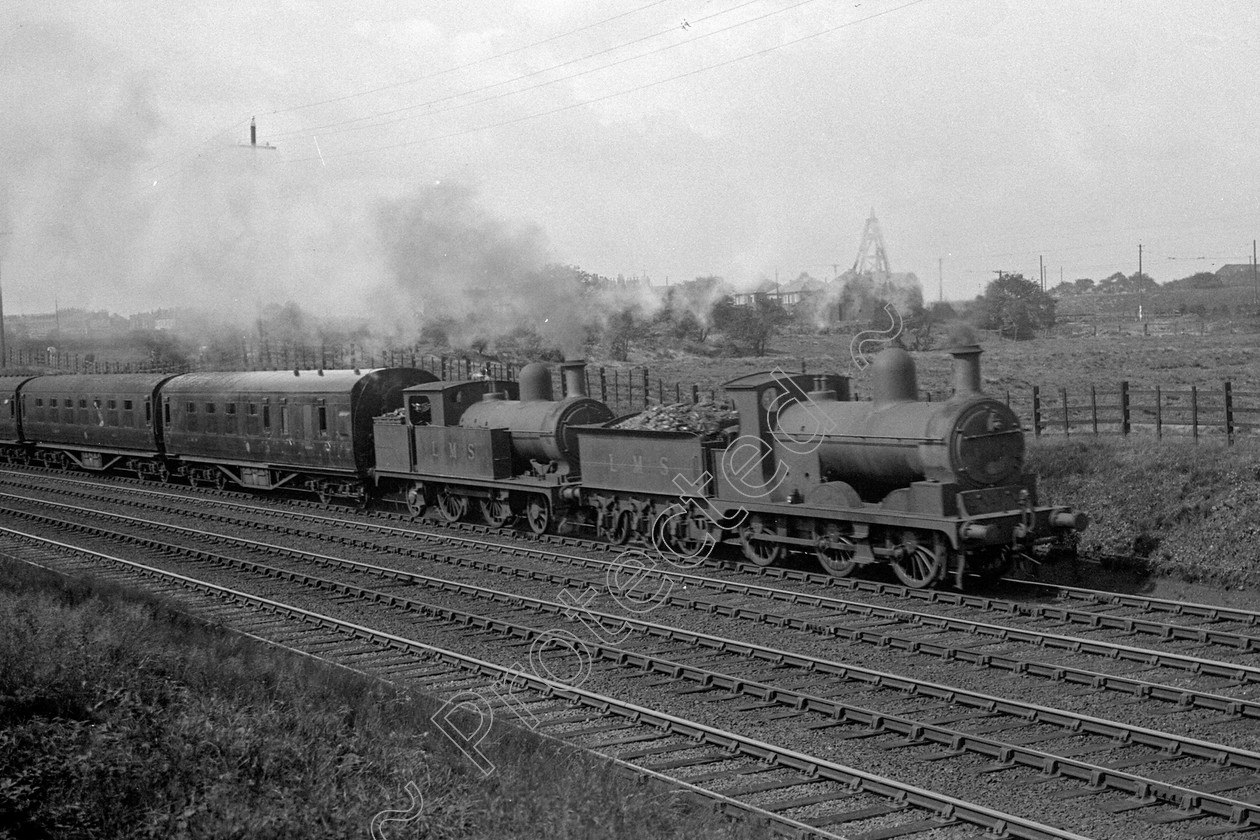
466	65
531	74
190	152
637	88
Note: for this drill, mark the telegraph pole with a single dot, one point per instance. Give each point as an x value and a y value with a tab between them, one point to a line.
4	355
1255	287
1139	280
940	278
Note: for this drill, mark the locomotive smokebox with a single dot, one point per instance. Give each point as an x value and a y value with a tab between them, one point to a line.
966	369
535	382
574	377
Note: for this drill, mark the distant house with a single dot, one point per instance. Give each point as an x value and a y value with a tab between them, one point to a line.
785	294
1235	273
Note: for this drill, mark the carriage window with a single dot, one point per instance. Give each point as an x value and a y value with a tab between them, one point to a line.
323	419
52	402
127	405
230	408
166	413
191	408
112	405
82	403
284	419
39	402
266	417
251	409
148	412
209	408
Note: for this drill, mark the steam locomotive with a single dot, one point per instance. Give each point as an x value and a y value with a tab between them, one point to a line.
933	489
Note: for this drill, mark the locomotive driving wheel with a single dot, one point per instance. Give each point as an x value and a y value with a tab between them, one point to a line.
496	512
756	549
451	506
538	514
917	565
416	504
835	552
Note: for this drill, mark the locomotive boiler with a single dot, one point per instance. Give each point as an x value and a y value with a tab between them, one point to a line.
971	441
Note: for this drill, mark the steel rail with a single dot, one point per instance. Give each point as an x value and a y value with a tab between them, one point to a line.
1032	713
939	596
1092	620
812	766
1187	697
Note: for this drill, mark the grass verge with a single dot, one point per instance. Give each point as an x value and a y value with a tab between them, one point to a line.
1192	510
121	717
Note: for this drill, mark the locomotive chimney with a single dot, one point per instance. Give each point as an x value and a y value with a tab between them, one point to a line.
966	369
574	371
535	382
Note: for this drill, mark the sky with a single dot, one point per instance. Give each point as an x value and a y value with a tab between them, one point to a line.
419	147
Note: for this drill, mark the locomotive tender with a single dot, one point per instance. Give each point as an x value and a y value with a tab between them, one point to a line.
933	489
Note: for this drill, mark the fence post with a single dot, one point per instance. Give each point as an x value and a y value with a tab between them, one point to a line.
1067	425
1159	413
1036	411
1093	406
1229	412
660	391
1124	407
603	385
647	392
1194	411
695	393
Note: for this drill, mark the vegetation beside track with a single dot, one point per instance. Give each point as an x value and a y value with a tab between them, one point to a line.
1192	510
121	717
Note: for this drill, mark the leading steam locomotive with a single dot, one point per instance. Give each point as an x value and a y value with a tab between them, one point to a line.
935	490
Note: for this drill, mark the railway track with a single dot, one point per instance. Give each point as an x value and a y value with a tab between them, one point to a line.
1188	680
1167	754
737	772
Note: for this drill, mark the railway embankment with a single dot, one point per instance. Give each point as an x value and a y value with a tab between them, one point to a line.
1189	511
120	717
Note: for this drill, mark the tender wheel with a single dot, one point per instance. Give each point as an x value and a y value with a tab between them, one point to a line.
219	481
416	504
451	506
162	474
622	528
538	514
689	538
835	552
918	567
759	551
496	512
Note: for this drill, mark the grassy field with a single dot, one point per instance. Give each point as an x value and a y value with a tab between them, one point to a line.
121	718
1145	361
